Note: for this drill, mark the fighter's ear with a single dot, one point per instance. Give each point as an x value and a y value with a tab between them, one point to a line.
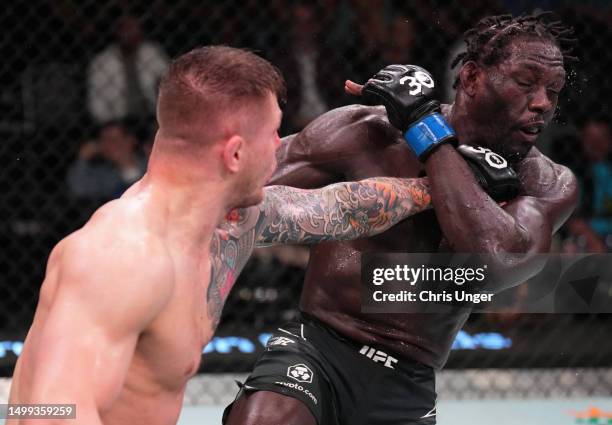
233	153
469	77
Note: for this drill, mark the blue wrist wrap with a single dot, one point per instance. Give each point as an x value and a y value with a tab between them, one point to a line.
427	133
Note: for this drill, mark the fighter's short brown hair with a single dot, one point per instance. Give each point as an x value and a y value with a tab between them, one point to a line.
210	80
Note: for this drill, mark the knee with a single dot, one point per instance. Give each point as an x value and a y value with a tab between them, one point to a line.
268	408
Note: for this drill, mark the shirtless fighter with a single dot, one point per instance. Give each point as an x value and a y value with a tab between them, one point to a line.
130	300
342	366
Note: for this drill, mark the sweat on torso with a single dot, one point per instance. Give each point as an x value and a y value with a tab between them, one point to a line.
168	354
332	288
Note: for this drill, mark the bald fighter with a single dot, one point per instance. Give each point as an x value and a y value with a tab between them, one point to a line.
347	367
130	300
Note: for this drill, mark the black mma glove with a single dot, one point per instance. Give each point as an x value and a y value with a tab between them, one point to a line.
407	93
492	172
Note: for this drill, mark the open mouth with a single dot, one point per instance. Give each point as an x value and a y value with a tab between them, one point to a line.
532	131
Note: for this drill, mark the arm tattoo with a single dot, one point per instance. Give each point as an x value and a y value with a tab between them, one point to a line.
230	249
340	211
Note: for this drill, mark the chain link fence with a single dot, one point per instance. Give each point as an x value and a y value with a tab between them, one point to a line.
78	96
220	389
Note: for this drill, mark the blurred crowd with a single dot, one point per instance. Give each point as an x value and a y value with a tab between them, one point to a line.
79	84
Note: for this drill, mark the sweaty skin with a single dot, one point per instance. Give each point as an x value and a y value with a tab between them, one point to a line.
355	142
120	325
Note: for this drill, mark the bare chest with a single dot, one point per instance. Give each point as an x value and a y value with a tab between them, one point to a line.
172	346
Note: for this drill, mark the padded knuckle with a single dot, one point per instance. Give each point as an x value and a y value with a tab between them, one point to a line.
395	68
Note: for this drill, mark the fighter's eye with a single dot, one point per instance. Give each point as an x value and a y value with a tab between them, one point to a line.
553	93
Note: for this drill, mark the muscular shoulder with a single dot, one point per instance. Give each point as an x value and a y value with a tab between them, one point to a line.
546	178
553	187
116	253
346	130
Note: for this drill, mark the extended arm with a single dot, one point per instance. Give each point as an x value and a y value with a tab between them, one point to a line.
341	211
288	215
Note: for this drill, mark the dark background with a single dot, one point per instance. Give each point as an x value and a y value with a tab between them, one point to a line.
46	50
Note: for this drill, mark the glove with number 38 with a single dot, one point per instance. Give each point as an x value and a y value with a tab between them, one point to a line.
408	94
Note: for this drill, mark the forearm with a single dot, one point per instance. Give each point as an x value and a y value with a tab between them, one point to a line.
509	237
470	220
341	211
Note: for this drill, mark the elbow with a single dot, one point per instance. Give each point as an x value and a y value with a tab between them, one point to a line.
512	261
501	242
506	269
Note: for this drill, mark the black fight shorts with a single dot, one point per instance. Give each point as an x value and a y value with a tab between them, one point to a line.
343	382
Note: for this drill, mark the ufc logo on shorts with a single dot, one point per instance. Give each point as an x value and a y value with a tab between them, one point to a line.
378	356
